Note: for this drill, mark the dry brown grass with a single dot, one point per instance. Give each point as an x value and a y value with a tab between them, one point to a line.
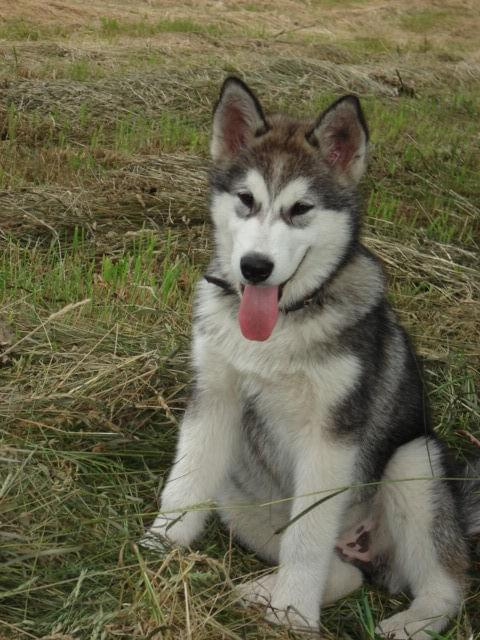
104	123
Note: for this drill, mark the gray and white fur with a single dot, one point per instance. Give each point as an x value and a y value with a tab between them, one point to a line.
332	400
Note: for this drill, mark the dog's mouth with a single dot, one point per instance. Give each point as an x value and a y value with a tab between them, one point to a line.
258	312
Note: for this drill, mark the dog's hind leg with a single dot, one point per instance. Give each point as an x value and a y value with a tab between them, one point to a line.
343	579
429	554
253	519
255	527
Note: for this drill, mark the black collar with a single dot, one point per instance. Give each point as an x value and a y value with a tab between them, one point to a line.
316	297
223	284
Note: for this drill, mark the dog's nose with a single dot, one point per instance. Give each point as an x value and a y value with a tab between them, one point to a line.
255	267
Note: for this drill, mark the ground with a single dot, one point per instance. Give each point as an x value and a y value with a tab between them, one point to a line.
104	122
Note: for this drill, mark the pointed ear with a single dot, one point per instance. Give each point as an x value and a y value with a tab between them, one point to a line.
237	119
341	134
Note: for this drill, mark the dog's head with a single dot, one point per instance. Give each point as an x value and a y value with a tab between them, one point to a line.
283	200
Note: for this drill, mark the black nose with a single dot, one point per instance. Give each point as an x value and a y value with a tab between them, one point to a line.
255	267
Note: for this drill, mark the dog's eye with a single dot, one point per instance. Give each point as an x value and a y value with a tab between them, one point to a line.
246	199
299	208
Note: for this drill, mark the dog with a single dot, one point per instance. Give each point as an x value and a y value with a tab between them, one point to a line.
308	424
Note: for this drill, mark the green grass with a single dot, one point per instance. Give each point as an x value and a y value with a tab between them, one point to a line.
112	27
167	132
19	29
424	20
82	70
103	229
149	272
26	30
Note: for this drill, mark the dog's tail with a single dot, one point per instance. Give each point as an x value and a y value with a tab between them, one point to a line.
470	491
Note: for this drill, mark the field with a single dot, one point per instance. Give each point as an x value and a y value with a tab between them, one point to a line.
105	110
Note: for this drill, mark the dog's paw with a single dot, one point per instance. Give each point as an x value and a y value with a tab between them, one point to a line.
411	624
291	617
154	542
258	591
178	530
292	608
354	545
280	609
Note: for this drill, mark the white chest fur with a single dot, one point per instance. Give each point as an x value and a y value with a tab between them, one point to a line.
296	381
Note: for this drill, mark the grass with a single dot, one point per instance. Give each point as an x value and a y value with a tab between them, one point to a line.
108	27
424	20
112	27
20	29
104	126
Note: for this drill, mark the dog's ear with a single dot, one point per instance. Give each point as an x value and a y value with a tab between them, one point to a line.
341	134
237	119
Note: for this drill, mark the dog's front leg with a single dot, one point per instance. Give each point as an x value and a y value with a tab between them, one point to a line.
308	543
207	435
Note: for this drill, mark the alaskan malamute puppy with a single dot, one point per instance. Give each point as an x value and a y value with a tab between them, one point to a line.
306	386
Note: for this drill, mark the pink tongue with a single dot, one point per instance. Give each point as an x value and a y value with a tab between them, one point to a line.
258	312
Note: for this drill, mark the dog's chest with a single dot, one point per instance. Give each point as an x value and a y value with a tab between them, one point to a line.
294	379
285	416
295	402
